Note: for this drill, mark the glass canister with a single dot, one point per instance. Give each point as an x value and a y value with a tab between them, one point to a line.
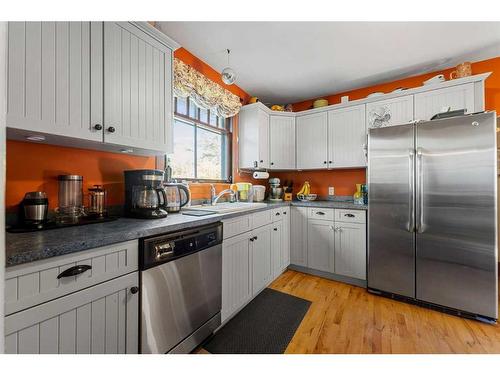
97	201
70	197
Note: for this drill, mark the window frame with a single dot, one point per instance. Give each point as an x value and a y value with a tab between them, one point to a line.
226	140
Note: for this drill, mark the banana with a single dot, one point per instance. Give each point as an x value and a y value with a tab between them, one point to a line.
306	189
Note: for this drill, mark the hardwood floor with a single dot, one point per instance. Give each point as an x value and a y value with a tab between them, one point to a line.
347	319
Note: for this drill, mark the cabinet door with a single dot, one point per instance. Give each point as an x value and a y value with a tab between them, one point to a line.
350	250
236	277
137	89
285	245
320	245
49	78
277	248
282	142
312	141
347	137
298	236
429	103
100	319
261	258
263	139
253	138
389	112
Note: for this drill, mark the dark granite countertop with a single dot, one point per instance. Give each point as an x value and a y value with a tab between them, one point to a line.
29	247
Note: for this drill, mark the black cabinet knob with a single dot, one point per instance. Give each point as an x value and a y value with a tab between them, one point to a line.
98	127
111	129
251	239
324	162
262	161
272	163
275	229
330	162
134	290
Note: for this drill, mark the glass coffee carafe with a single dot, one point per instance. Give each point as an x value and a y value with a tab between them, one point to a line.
149	201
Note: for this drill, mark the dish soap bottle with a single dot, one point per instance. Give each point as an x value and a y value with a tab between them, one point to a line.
358	195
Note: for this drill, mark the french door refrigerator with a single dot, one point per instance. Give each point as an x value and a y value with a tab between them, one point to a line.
432	213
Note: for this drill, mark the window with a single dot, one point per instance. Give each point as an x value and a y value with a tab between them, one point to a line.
202	143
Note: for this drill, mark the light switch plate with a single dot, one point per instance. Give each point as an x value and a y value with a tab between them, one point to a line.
331	190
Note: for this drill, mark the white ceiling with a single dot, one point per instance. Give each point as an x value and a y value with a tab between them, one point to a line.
282	62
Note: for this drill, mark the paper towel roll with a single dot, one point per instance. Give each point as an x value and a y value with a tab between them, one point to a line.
260	175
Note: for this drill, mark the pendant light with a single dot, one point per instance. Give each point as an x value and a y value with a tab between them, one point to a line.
228	75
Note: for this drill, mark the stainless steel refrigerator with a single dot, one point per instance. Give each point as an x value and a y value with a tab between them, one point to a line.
432	213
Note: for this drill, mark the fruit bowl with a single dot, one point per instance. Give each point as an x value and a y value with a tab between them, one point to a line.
307	197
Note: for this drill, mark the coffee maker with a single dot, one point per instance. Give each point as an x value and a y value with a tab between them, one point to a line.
145	197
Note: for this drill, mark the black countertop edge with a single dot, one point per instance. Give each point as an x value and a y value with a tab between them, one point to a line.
24	248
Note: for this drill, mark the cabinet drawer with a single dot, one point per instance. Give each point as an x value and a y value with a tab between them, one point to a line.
320	213
350	216
262	218
281	213
34	283
236	226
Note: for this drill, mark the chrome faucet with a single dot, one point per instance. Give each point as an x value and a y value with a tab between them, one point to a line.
214	197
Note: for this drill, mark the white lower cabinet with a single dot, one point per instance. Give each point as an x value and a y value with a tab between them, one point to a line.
260	250
350	250
236	276
100	319
252	259
298	236
277	248
320	245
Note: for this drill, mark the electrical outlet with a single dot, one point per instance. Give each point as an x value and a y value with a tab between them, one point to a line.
331	190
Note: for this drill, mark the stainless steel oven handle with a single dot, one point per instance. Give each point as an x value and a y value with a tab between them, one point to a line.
420	197
411	188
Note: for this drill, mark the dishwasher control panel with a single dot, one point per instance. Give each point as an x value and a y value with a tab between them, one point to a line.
170	246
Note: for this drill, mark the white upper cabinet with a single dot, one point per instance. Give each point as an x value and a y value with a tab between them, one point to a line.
347	137
137	89
100	85
312	141
49	80
389	112
282	142
429	103
253	138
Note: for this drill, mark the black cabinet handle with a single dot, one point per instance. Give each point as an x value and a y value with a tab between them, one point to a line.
134	290
349	215
262	161
277	214
111	129
98	127
255	238
320	213
252	239
75	270
275	229
284	213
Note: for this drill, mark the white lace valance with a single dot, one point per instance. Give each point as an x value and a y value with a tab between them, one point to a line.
205	93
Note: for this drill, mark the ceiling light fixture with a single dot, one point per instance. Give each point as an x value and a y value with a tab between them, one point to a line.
228	75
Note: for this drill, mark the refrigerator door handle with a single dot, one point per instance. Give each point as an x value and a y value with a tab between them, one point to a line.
411	188
420	197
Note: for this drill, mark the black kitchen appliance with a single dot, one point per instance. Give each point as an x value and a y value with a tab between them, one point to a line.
145	197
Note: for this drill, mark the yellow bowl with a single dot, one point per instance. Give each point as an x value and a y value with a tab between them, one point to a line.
320	103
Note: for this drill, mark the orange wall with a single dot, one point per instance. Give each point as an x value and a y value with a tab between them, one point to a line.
34	167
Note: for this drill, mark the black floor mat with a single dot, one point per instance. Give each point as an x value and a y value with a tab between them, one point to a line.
265	326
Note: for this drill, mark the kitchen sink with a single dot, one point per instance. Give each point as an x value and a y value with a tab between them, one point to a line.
226	207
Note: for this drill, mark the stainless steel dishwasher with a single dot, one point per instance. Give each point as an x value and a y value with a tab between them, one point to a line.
181	289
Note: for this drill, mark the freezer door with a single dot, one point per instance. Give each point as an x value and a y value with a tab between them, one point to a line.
456	258
391	236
